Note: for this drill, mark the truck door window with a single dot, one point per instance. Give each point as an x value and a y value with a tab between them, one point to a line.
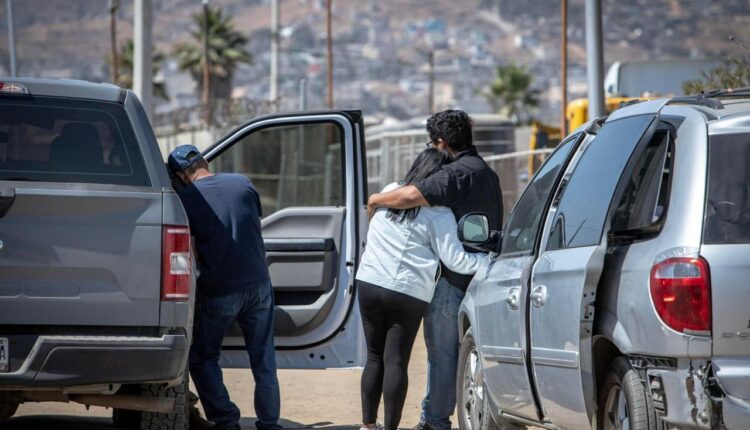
522	227
586	198
291	166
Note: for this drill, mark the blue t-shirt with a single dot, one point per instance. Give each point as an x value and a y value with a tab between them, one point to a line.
224	213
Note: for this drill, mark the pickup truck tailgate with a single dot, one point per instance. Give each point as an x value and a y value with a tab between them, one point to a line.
79	254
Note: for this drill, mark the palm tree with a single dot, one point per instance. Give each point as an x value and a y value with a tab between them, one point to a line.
510	93
125	60
226	50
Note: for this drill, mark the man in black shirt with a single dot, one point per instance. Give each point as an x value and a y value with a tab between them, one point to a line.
465	185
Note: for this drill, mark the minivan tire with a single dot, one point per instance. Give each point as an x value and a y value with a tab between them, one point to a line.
8	405
624	397
471	392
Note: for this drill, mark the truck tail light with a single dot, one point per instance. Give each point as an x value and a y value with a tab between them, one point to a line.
681	292
176	263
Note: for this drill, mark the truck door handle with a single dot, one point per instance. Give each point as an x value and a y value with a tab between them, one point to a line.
513	297
539	295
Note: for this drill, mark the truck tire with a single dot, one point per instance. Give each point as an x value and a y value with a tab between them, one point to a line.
471	395
175	420
8	405
623	400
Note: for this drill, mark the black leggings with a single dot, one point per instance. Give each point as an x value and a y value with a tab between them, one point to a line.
391	321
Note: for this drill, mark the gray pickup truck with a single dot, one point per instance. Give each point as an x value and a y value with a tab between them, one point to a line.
95	264
95	267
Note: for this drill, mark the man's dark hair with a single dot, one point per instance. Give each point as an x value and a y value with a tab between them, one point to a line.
453	126
428	162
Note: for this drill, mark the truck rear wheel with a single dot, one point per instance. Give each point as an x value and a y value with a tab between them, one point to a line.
175	420
8	405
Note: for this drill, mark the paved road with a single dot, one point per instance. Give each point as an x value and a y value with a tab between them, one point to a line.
310	399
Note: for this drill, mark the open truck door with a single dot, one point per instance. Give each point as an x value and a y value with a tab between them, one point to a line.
309	169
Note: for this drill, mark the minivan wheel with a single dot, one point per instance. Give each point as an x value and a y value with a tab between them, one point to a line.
175	420
472	397
623	402
8	404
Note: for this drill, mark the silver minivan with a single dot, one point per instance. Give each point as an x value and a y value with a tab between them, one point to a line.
617	296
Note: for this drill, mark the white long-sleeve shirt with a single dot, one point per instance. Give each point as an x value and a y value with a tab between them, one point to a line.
405	256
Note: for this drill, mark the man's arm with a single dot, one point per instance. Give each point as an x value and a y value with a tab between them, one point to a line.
402	198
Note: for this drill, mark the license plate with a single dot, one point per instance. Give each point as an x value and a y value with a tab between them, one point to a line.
3	354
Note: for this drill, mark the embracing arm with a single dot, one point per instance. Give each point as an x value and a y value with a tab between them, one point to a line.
406	197
450	250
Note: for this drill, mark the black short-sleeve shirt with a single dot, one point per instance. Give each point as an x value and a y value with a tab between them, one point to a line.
466	185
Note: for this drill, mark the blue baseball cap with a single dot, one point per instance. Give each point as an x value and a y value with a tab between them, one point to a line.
183	157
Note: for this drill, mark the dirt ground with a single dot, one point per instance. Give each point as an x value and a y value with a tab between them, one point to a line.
309	399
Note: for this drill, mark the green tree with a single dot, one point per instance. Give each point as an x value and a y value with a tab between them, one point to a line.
226	50
510	93
125	61
732	73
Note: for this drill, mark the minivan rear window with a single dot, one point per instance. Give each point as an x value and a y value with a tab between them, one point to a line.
54	139
727	219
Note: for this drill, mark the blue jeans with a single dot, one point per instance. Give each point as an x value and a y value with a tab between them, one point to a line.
442	340
253	310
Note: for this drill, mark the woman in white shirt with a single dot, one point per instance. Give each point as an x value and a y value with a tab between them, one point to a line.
395	282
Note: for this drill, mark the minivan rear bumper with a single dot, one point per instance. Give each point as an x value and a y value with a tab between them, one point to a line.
733	377
64	361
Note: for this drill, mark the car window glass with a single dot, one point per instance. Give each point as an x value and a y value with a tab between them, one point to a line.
643	201
522	227
582	209
290	165
53	139
728	198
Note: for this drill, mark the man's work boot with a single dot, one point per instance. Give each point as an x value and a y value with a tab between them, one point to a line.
197	422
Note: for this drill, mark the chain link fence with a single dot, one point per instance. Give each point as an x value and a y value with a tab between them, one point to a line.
390	154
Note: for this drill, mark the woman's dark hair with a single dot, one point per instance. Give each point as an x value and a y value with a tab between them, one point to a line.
428	162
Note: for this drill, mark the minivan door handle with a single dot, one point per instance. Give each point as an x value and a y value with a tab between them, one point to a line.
7	197
513	297
539	295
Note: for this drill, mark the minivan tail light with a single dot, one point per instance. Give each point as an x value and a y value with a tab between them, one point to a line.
681	292
176	263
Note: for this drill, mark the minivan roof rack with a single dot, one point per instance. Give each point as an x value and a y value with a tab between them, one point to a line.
729	92
699	99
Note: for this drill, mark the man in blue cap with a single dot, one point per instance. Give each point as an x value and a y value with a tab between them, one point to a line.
233	285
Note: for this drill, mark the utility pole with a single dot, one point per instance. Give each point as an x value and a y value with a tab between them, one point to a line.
275	18
303	94
142	69
11	38
114	5
206	67
594	62
564	69
329	25
431	82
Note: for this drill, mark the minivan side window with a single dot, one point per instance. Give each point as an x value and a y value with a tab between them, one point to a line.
586	197
291	166
644	201
521	229
727	218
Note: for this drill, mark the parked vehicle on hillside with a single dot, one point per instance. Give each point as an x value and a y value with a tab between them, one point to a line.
617	296
96	279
